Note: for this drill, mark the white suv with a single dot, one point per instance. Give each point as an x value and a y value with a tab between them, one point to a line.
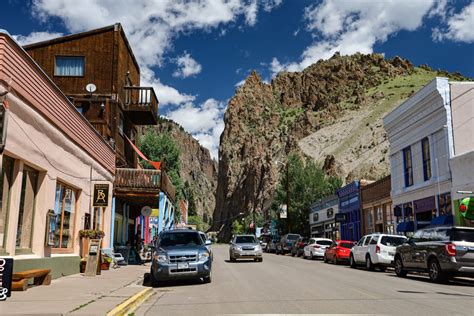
375	250
316	248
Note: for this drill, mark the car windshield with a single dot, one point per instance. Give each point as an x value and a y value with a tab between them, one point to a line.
180	239
245	240
324	242
462	235
348	245
293	237
392	240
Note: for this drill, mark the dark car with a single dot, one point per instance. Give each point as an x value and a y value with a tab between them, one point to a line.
286	242
180	254
441	251
298	247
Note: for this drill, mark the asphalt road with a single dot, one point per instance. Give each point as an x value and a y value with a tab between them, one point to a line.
285	284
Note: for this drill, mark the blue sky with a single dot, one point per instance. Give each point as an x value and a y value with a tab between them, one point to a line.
195	52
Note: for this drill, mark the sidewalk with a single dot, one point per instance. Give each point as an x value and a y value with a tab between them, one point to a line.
77	294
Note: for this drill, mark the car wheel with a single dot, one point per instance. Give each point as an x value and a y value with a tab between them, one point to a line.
368	263
311	256
399	271
232	259
382	268
153	281
260	260
293	254
435	273
352	262
208	279
336	262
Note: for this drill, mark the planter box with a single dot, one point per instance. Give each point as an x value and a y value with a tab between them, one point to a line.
104	266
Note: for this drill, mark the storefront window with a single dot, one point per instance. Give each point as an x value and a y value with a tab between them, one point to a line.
6	180
379	214
64	209
370	222
29	185
408	212
444	202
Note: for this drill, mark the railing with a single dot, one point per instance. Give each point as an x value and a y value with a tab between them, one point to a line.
137	179
141	97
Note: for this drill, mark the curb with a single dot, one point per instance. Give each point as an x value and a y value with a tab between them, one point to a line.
131	304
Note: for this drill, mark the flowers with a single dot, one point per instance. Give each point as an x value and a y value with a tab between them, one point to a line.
91	233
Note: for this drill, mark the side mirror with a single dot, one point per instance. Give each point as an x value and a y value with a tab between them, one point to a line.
208	242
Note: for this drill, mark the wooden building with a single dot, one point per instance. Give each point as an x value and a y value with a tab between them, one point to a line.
99	73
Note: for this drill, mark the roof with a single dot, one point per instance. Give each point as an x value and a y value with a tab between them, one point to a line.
76	36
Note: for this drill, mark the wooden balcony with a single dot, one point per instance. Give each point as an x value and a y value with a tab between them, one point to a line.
141	105
143	183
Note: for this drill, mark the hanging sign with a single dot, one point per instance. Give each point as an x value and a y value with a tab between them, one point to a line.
101	195
283	211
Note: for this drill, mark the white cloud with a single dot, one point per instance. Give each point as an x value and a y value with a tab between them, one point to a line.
35	37
240	83
269	5
187	66
354	26
459	26
203	121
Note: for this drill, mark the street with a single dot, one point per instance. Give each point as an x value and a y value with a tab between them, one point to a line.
285	284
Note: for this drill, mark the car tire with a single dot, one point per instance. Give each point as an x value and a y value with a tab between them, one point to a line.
368	263
293	254
208	279
352	262
325	259
311	256
153	281
260	260
435	273
232	259
336	262
399	271
382	268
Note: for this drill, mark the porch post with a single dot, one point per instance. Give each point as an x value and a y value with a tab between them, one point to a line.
112	224
161	214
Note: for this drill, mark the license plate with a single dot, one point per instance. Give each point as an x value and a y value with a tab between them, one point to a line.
183	265
248	253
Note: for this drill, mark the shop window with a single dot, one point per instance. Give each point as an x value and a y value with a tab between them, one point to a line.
370	221
408	212
87	221
64	209
6	181
425	147
379	214
69	66
444	202
29	185
315	217
408	167
330	213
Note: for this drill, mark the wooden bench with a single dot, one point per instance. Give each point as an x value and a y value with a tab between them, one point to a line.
20	279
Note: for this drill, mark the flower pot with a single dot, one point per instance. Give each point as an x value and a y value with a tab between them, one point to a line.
82	267
104	266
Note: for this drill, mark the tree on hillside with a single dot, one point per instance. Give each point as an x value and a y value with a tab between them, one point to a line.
307	184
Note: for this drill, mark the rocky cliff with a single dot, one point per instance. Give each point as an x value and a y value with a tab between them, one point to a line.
198	169
331	111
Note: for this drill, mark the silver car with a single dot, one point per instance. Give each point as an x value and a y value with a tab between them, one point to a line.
245	247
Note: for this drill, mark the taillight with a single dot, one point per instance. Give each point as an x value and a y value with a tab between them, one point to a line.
451	250
316	246
377	249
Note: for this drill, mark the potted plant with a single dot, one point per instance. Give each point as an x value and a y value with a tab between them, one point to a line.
85	236
105	262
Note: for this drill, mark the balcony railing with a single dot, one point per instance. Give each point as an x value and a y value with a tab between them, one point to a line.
142	105
137	179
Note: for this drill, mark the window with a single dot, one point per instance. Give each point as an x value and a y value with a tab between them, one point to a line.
64	209
361	241
6	180
425	147
315	217
374	240
444	202
69	66
379	214
408	167
330	213
370	221
408	212
367	240
29	184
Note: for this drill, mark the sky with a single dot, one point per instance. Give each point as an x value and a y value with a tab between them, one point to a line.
196	53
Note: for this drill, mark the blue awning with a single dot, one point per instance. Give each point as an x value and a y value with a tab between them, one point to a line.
442	220
406	227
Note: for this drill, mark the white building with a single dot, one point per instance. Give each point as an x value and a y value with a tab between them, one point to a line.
420	132
322	220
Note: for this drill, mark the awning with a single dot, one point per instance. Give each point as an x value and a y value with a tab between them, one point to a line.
406	227
442	220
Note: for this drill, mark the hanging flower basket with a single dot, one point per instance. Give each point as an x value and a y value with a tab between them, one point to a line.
91	233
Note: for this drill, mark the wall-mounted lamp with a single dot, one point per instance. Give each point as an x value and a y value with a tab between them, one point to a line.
102	108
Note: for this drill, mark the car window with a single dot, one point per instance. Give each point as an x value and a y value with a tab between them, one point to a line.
392	240
374	240
311	241
367	240
417	236
245	240
346	245
459	234
180	239
292	237
426	235
324	242
361	241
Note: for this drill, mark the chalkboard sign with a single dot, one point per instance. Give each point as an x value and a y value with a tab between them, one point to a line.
93	260
6	271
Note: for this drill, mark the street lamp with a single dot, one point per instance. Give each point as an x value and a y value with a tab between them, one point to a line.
287	192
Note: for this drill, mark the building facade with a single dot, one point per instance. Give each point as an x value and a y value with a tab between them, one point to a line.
98	72
420	132
51	162
349	205
322	222
377	210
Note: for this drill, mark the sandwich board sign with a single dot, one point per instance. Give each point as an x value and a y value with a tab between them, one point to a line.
93	259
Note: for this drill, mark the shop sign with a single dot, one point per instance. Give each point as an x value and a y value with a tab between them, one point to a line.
93	260
101	195
423	205
6	272
283	211
340	217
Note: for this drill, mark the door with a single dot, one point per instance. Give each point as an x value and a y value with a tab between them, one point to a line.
407	251
360	248
420	249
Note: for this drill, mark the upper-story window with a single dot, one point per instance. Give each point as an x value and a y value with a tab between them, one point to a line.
315	217
408	167
425	147
69	66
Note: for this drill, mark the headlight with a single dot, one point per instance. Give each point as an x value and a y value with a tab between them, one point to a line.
161	258
203	256
258	247
237	248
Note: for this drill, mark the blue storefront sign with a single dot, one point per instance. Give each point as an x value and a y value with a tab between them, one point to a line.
349	205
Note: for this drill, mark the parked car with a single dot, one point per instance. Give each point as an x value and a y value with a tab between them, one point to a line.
272	246
375	250
298	247
316	248
207	243
245	247
180	254
441	251
286	242
339	251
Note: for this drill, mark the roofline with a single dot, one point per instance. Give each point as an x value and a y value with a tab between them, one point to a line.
75	36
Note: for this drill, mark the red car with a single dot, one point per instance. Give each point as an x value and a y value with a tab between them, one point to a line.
339	251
